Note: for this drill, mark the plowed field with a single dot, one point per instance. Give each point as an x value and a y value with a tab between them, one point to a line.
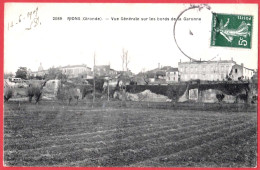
57	135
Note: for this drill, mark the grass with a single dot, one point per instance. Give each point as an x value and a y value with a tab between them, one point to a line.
57	135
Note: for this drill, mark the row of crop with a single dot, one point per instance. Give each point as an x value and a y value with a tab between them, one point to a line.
123	147
91	128
91	137
140	150
221	152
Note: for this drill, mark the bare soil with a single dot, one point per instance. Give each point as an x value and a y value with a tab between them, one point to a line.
57	135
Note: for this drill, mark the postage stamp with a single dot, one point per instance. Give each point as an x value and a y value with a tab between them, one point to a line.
231	30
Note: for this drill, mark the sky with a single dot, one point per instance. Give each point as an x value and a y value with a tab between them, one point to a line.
36	38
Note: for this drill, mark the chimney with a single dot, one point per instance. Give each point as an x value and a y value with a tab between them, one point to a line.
231	58
242	64
180	60
158	65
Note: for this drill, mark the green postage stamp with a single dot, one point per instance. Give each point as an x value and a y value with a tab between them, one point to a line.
231	30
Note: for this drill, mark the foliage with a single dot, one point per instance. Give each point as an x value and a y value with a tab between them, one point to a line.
53	73
35	92
98	83
61	93
243	97
220	97
68	92
21	73
8	94
173	93
39	77
30	93
56	73
86	89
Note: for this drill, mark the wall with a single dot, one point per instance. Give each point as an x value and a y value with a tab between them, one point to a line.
211	71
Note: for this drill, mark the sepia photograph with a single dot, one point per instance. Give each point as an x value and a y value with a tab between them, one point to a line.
130	85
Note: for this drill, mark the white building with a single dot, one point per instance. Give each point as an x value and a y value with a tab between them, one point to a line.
213	70
76	71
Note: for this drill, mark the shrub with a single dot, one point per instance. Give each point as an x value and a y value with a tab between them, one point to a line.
173	93
98	84
35	92
8	94
61	93
30	93
243	97
220	97
86	89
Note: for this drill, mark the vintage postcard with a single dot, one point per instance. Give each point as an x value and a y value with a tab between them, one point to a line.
130	85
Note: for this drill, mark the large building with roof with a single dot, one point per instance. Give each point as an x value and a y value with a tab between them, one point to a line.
214	71
73	71
104	70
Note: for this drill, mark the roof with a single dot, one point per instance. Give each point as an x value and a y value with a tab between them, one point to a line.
172	69
72	66
244	67
102	66
204	62
160	73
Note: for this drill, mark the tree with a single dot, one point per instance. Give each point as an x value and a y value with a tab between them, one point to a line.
21	73
53	73
30	93
35	92
8	93
220	97
125	62
173	93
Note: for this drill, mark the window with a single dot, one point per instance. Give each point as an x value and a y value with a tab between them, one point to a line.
236	70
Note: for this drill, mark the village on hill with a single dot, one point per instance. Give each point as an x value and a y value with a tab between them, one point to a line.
162	84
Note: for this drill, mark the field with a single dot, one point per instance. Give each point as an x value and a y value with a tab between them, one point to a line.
56	135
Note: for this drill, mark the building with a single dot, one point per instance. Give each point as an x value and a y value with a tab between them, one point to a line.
214	71
172	75
239	72
74	71
104	70
40	73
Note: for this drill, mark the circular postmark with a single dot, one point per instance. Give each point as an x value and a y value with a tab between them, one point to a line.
192	36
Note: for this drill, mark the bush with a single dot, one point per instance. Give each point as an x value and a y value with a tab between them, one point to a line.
35	92
173	93
243	97
86	89
220	97
98	84
8	94
61	93
30	93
